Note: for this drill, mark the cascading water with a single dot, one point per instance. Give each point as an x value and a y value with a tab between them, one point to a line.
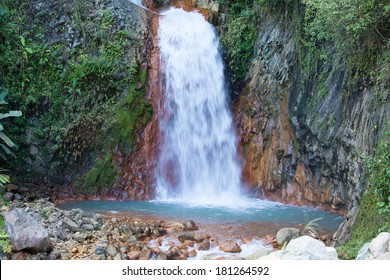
198	158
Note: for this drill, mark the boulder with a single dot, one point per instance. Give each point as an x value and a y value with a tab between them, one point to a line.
286	234
68	223
380	244
377	249
8	196
364	253
229	246
200	236
111	251
204	245
78	237
26	233
304	248
186	236
190	225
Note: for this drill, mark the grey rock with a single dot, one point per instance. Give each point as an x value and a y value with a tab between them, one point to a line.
364	253
132	239
25	232
99	250
88	227
380	244
303	248
8	196
68	223
286	234
98	218
118	257
126	230
111	251
18	196
62	235
52	219
54	255
78	237
385	256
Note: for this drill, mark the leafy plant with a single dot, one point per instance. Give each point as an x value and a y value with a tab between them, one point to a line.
312	227
378	167
7	142
5	245
4	179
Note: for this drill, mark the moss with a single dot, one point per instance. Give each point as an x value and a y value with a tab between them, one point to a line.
366	227
132	113
102	175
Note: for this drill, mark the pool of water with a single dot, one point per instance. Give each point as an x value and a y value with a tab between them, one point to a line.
256	210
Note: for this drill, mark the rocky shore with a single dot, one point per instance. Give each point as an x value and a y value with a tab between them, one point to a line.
38	230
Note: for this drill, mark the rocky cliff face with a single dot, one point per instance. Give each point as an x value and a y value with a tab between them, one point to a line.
84	31
302	137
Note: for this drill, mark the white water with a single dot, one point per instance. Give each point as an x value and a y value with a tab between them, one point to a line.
198	158
137	2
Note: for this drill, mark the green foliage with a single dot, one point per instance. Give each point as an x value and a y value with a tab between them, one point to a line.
5	245
368	224
347	21
4	178
70	95
102	175
357	28
6	140
378	167
312	227
132	113
240	37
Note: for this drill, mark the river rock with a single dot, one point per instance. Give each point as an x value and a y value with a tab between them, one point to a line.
186	236
68	223
133	255
99	250
111	251
87	227
204	245
145	253
200	236
190	225
8	196
54	255
126	230
78	237
229	246
25	232
286	234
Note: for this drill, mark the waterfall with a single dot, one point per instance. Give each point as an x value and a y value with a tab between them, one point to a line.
198	158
